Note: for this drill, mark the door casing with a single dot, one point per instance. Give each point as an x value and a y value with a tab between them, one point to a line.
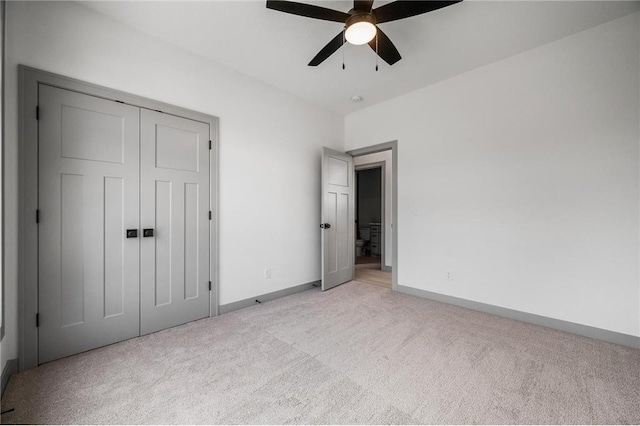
29	79
393	146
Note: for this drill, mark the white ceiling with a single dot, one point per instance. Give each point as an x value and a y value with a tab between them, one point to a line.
275	47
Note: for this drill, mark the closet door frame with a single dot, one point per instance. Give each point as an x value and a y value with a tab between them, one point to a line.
29	81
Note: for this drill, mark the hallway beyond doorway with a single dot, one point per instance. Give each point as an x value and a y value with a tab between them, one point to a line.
370	273
365	259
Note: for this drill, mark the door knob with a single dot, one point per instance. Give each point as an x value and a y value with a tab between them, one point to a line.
325	225
147	232
132	233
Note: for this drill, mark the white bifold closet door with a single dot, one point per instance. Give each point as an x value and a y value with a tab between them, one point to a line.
88	283
124	222
174	201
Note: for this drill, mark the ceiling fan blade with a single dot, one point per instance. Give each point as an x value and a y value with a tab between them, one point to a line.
308	10
328	50
364	5
404	9
386	49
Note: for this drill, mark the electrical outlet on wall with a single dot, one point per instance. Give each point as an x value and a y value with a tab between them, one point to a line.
267	274
448	275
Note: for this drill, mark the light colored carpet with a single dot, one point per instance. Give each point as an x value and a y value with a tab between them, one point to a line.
356	354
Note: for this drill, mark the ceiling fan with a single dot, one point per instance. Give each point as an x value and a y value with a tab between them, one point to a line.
361	23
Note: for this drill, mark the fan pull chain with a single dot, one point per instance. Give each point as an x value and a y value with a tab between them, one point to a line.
343	41
377	56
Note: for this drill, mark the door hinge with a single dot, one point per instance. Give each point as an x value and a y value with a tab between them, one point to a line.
210	144
209	214
37	215
37	320
209	285
37	113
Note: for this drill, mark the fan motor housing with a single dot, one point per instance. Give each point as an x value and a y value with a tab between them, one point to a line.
359	16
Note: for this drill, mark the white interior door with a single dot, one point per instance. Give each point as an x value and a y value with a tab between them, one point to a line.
338	216
174	203
88	285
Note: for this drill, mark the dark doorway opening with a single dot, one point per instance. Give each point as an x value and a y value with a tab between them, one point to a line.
369	216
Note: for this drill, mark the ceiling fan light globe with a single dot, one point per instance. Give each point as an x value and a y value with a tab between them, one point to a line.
360	32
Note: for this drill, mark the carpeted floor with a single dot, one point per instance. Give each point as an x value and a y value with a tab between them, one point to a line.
356	354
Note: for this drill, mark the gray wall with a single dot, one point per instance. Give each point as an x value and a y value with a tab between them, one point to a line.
2	30
69	39
521	179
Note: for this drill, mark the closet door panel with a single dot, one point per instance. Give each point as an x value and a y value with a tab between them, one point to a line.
174	191
88	287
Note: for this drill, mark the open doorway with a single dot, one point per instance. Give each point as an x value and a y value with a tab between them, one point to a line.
338	217
369	214
373	218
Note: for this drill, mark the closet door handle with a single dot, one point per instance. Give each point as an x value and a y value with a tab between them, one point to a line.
147	232
132	233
